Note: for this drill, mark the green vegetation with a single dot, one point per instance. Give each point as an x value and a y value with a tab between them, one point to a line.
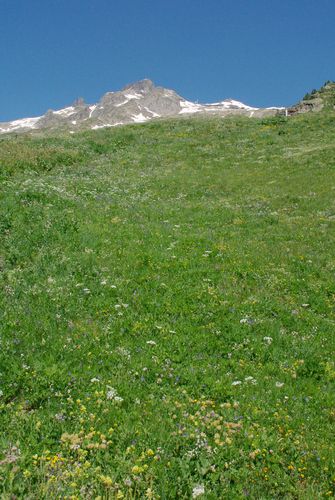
167	300
326	93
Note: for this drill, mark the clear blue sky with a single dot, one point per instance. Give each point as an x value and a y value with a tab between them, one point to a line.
262	52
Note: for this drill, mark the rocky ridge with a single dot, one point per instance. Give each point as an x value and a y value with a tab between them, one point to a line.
136	103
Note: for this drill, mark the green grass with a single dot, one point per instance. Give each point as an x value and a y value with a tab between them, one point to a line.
167	311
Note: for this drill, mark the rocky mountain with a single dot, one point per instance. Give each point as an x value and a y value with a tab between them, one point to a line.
317	100
135	103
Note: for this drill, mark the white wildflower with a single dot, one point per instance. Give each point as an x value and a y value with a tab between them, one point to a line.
123	352
207	253
60	417
268	340
247	321
252	380
279	384
94	379
237	382
151	342
198	490
111	393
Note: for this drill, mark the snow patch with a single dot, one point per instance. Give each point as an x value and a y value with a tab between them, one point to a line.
66	111
92	108
154	115
106	125
140	118
238	104
229	104
133	96
122	103
189	107
96	127
17	124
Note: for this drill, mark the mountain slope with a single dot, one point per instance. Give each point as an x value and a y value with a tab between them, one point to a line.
138	102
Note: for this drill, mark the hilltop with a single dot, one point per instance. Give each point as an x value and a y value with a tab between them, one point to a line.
317	100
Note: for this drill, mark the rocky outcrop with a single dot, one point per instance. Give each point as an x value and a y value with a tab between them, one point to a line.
317	100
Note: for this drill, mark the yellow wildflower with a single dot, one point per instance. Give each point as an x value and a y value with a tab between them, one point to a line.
106	481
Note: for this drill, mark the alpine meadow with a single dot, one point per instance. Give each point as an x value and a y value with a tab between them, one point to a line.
167	310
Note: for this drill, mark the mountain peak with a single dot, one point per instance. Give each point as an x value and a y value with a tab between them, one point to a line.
136	103
143	86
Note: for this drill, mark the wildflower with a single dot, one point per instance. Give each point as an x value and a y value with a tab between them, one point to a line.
247	321
253	454
137	469
252	380
60	417
111	393
237	382
106	481
279	384
267	340
198	490
94	379
151	342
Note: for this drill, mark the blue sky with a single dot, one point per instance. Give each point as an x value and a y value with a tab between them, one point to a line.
262	52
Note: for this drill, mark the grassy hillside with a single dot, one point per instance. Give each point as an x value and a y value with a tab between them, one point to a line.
167	301
326	94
